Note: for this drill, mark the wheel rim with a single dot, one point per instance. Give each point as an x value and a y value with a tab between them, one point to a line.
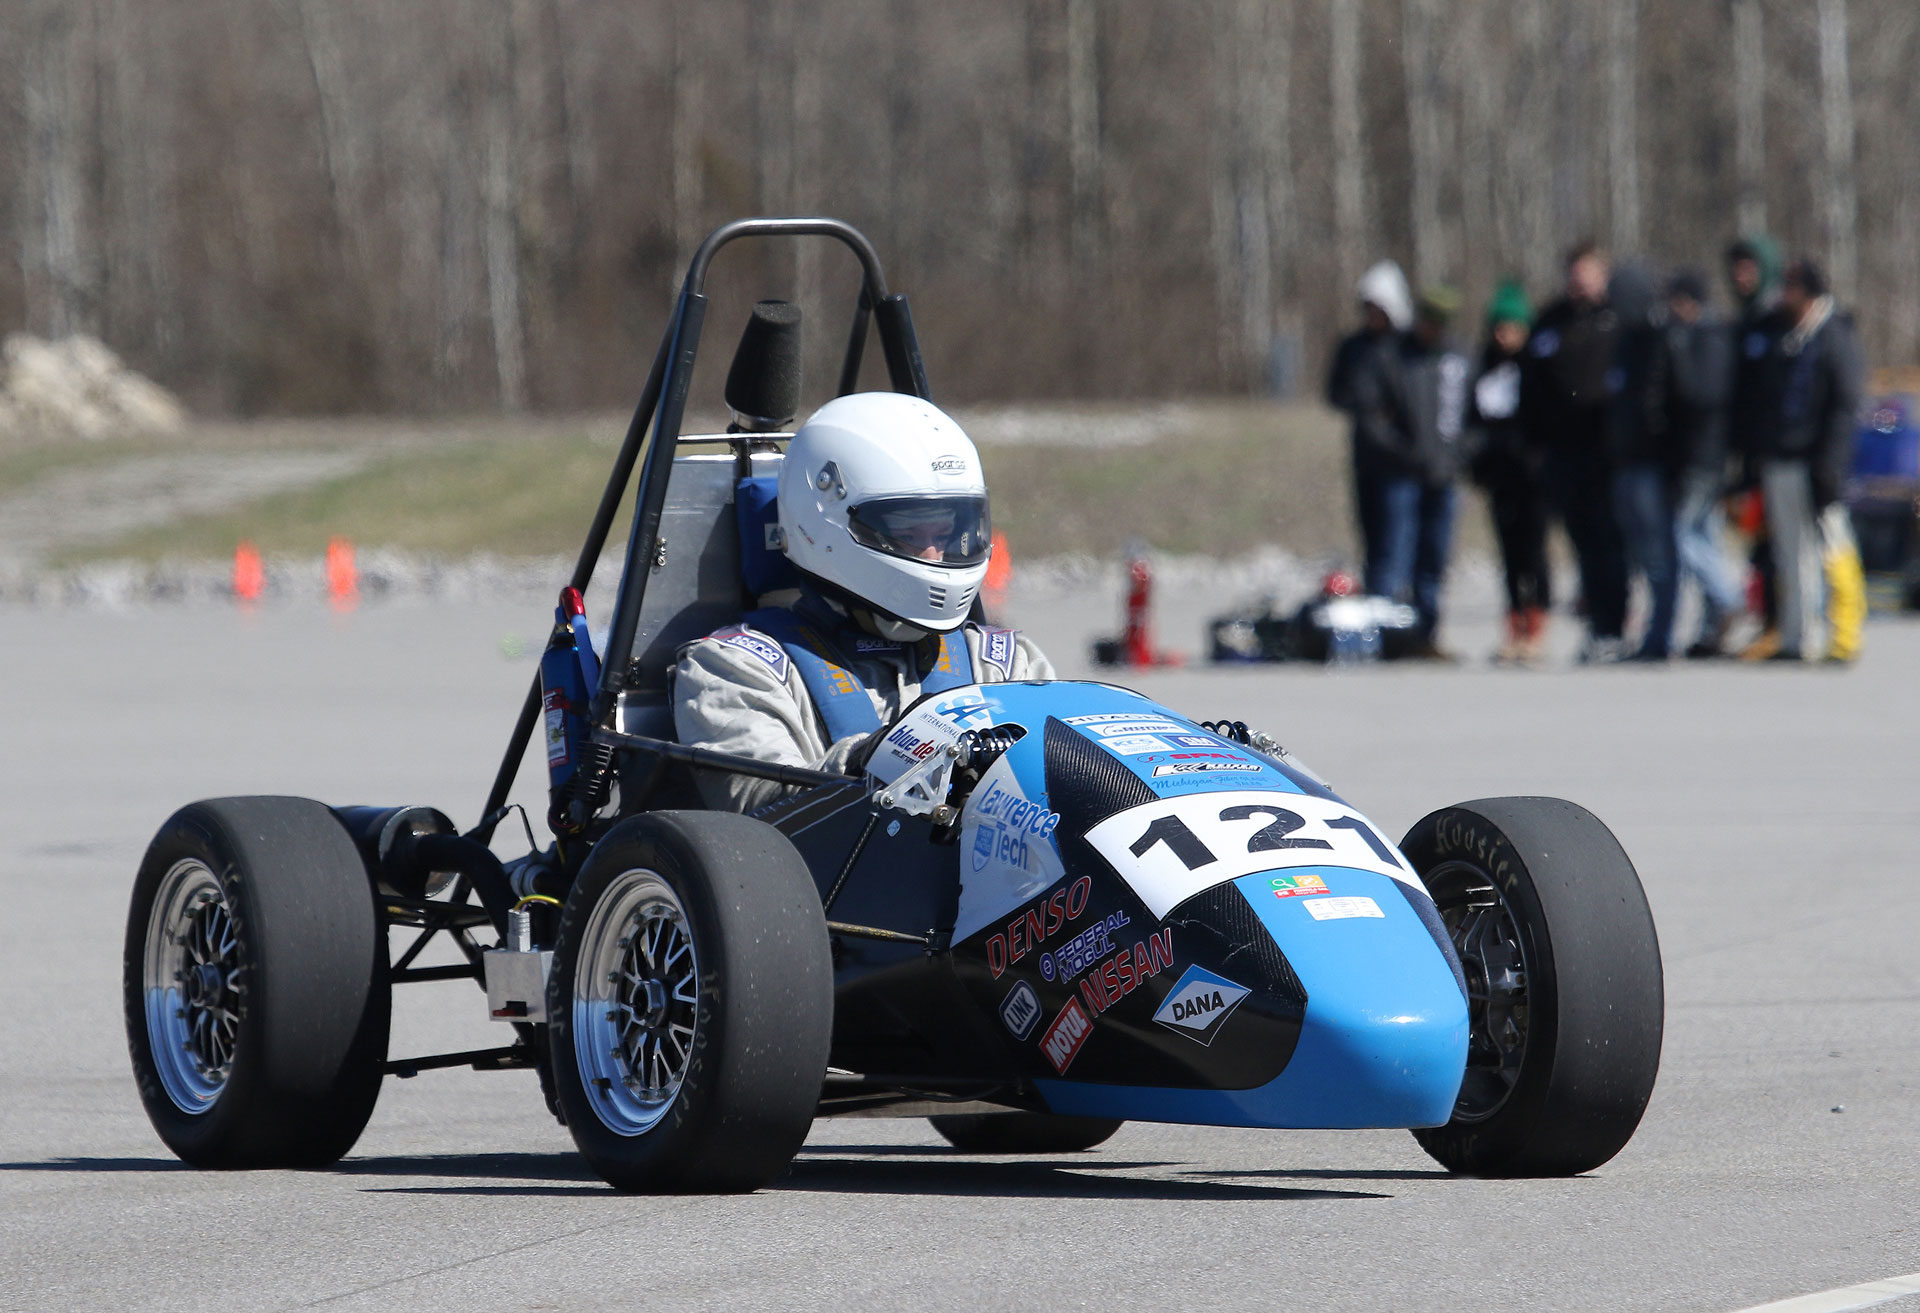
1487	940
636	992
193	979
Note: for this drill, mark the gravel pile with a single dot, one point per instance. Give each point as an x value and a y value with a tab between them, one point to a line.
77	388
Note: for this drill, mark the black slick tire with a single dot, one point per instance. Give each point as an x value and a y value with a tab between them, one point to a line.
1594	1002
763	1021
1023	1132
310	990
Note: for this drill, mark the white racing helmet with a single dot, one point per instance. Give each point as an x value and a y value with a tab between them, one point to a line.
882	498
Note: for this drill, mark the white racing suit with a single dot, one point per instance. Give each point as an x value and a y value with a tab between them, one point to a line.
741	690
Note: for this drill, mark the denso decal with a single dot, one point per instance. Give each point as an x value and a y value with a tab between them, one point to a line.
1124	972
1200	1004
1066	1035
1024	934
1083	950
1020	1009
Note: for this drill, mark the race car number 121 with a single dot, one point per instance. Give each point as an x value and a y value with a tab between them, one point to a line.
1175	848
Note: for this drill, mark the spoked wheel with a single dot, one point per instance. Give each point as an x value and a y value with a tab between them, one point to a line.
1023	1132
1564	989
255	985
691	1003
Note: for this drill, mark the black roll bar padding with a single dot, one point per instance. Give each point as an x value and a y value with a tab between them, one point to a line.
905	368
856	346
583	569
713	759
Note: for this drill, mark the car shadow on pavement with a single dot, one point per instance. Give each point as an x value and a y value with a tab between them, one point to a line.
99	1165
1072	1178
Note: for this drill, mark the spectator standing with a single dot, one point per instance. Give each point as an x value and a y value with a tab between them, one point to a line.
1387	307
1698	351
1813	386
1565	402
1508	466
1753	271
1642	454
1410	411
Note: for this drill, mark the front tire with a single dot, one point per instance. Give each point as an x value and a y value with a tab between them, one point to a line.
1023	1132
255	985
1565	995
691	1004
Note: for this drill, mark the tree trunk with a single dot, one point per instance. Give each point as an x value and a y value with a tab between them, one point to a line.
1750	116
1425	97
1352	233
501	234
1623	123
1836	115
1083	130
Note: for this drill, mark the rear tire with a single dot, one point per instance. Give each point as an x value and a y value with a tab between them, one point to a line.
1566	1000
255	985
1024	1132
691	1004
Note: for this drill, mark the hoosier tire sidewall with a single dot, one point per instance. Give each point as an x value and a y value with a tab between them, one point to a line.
1595	991
765	1011
311	1039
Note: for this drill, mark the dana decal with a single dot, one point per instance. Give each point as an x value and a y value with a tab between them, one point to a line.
1126	970
1025	934
1065	1036
1200	1004
1083	950
1295	886
1020	1009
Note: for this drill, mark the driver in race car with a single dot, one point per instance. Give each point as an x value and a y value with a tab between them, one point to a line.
883	509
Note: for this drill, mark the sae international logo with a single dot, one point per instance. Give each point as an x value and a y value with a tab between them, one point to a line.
1200	1004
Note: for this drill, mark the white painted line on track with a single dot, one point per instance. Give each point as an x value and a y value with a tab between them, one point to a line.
1845	1299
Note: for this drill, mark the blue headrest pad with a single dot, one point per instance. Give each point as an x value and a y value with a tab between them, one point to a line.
756	510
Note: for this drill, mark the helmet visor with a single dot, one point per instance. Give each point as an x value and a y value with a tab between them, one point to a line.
947	530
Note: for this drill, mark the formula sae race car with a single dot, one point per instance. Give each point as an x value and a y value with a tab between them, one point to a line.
1041	910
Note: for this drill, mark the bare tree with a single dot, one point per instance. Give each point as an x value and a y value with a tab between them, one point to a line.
1749	114
1623	121
1836	119
1349	147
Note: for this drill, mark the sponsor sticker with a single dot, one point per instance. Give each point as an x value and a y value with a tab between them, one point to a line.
1020	1010
1200	1004
1134	745
1064	1038
1122	728
1103	717
1026	933
863	644
1084	949
950	465
997	649
1193	740
756	645
1296	886
558	753
1124	972
964	709
1201	767
1340	909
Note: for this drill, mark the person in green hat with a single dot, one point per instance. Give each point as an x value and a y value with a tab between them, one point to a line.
1508	467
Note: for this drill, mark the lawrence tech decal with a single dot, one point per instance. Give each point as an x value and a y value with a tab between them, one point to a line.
1007	852
1200	1004
1179	846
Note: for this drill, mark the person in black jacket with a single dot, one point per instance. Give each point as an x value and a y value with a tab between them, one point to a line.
1699	353
1507	465
1409	400
1566	407
1813	389
1642	453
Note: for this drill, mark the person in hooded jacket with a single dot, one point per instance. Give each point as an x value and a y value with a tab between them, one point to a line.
1409	407
1753	272
1697	350
1566	406
1813	386
1508	465
1642	454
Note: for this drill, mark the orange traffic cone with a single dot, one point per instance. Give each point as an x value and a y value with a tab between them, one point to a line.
249	573
993	589
343	579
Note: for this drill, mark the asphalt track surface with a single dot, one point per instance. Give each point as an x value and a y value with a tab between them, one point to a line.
1774	815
